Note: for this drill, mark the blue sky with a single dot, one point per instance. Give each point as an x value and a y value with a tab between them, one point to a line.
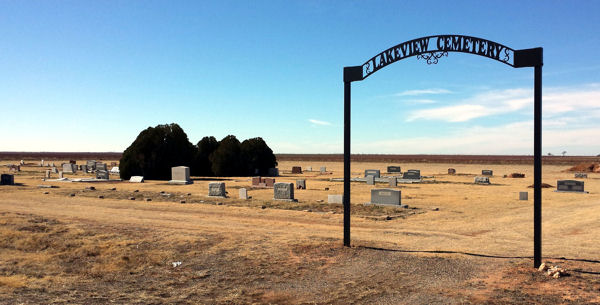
90	75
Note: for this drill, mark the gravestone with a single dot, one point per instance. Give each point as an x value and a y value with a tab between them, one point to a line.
216	189
60	175
47	174
7	179
269	182
309	168
54	170
179	175
335	198
301	184
487	172
91	164
412	175
580	175
243	194
100	166
273	172
84	168
136	179
373	172
296	170
394	169
69	168
370	180
393	181
482	180
256	181
385	196
42	163
451	171
523	195
100	174
569	186
283	191
323	170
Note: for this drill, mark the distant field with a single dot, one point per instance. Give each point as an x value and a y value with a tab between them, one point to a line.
447	159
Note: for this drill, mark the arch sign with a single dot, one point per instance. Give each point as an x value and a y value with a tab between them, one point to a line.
431	49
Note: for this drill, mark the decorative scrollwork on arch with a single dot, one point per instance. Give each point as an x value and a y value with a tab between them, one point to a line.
432	57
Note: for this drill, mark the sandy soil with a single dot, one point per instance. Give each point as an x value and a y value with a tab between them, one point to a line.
476	248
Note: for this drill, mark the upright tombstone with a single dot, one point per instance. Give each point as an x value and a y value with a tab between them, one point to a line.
581	175
47	176
296	170
69	168
180	175
216	189
487	172
523	195
54	170
370	180
101	174
84	168
394	169
42	163
412	175
386	196
309	168
91	164
393	181
301	184
373	172
269	182
136	179
243	193
273	172
335	198
101	166
451	171
482	180
256	181
283	191
60	175
7	179
570	186
323	170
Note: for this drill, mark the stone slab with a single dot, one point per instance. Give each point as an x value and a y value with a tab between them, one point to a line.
394	169
136	179
386	196
523	196
487	172
301	184
283	191
243	193
482	180
180	175
570	186
216	189
335	199
7	179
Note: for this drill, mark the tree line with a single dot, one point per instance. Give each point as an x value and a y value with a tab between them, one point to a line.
157	149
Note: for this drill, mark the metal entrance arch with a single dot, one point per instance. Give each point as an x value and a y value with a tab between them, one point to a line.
431	49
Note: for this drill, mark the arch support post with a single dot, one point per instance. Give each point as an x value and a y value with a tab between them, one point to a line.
351	74
537	167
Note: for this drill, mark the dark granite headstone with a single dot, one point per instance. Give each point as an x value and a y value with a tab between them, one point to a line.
413	175
569	186
7	179
296	170
393	169
451	171
373	172
487	172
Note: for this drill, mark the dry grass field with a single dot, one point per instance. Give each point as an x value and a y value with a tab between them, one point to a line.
458	243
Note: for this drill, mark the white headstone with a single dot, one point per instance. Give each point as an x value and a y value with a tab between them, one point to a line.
136	179
335	198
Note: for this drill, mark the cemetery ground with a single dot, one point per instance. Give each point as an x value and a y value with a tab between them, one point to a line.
457	243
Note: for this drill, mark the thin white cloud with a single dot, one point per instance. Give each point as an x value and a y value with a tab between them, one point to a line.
317	122
513	138
423	92
555	101
419	101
